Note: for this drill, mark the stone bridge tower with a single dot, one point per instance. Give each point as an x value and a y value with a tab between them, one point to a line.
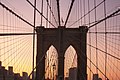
61	38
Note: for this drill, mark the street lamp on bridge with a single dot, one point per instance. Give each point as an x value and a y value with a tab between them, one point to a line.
54	67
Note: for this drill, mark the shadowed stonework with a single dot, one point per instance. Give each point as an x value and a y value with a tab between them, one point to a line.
61	38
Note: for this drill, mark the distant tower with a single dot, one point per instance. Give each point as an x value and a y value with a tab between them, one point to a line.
73	73
25	75
95	77
16	76
10	70
10	74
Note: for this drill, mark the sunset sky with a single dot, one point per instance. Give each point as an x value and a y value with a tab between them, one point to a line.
11	46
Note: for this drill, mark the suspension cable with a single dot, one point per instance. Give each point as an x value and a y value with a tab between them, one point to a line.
86	13
93	64
40	13
15	14
51	11
89	37
36	65
69	11
105	52
109	16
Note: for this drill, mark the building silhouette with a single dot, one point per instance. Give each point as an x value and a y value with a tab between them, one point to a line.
10	75
73	73
96	77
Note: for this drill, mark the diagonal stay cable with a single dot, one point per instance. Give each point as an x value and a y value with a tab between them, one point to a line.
20	48
21	57
15	14
109	16
69	11
51	11
11	47
94	22
40	13
111	60
104	52
111	46
87	65
83	61
36	66
10	40
111	63
87	13
93	63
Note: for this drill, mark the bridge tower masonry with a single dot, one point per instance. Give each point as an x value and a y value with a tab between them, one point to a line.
61	38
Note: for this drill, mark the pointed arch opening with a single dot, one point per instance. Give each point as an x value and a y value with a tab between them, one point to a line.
70	63
51	62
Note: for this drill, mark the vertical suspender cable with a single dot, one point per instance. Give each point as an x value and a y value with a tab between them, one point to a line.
34	38
105	39
47	17
48	50
96	38
81	10
3	29
84	11
41	12
50	15
89	38
78	12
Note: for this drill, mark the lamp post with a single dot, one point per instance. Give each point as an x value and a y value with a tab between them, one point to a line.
53	70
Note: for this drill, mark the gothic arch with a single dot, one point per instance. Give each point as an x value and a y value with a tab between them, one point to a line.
68	61
51	45
50	61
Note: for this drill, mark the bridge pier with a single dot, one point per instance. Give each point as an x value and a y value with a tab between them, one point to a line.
60	53
82	56
40	58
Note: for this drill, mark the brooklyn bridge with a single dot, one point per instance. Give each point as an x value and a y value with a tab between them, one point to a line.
59	39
